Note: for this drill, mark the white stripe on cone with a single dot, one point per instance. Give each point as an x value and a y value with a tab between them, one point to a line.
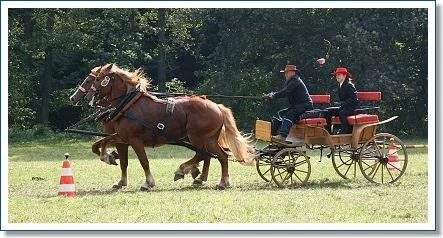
66	188
66	172
393	163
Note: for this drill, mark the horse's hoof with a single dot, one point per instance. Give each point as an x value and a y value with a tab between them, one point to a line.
112	157
197	183
195	173
116	187
145	189
178	176
220	187
115	154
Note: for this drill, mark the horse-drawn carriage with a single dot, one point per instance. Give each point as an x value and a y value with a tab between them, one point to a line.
131	116
381	157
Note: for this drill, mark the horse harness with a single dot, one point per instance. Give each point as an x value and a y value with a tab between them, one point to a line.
130	98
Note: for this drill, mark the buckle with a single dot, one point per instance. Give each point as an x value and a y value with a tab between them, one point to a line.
160	126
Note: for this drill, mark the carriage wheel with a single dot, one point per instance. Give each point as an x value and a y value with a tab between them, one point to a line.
345	160
263	162
290	168
383	159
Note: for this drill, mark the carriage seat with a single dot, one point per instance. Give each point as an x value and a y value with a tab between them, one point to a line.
357	119
317	121
314	117
363	118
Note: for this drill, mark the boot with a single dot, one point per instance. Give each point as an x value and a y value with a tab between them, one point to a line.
279	138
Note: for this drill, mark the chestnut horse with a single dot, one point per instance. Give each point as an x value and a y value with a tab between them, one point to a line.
198	120
84	89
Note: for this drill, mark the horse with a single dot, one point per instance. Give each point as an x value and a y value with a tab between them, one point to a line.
84	91
187	121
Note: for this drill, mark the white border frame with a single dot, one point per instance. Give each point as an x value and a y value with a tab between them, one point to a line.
430	5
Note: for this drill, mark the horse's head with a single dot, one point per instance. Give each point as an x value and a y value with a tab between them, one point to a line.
86	86
109	85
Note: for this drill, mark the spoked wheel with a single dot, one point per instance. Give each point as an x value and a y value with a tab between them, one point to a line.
345	161
383	159
263	161
290	168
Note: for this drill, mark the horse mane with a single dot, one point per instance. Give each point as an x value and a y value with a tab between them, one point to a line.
132	78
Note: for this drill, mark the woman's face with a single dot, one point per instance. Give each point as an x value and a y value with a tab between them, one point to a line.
340	77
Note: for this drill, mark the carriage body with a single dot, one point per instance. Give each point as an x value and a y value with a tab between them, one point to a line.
288	165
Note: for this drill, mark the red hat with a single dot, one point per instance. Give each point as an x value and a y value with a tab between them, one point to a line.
289	67
342	71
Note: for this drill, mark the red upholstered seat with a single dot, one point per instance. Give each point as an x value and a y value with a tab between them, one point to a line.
320	98
313	121
357	119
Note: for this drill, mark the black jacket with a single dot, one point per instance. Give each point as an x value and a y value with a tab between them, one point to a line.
348	94
296	92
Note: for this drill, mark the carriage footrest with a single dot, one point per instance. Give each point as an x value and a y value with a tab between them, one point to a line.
357	119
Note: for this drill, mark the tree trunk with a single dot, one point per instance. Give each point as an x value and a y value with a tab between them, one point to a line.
46	86
46	78
161	73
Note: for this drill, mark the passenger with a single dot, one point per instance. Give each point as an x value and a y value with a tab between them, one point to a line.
299	99
348	101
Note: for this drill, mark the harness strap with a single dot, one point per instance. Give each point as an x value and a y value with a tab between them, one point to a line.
124	104
161	125
180	142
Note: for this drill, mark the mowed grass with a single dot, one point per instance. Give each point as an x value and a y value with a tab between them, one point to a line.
327	198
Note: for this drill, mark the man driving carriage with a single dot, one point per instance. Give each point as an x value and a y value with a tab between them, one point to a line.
299	99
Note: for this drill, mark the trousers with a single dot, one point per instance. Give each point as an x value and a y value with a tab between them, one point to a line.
290	116
343	112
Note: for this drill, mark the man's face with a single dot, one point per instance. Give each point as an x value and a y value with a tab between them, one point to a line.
289	74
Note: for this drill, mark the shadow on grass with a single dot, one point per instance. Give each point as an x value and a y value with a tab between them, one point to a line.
94	192
268	186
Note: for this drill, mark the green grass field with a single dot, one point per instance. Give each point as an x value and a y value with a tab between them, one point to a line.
326	199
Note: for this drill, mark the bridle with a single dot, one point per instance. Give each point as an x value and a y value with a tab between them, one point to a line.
91	88
99	84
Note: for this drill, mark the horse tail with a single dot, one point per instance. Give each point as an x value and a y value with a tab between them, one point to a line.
223	141
238	144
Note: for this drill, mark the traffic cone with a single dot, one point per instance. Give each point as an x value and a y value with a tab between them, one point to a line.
67	187
393	163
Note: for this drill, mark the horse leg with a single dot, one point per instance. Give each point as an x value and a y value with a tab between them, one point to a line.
122	150
103	142
204	175
188	166
213	146
143	159
95	147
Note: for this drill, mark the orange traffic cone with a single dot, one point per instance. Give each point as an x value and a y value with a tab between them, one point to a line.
67	187
393	163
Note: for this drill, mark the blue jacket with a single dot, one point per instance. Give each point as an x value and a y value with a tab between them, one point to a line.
296	92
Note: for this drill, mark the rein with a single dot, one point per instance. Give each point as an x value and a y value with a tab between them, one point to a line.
207	95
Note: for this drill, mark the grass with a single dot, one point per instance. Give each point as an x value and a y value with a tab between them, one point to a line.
326	199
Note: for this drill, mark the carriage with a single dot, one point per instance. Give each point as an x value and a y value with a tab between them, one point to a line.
380	157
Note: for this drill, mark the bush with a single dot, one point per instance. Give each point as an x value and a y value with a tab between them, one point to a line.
42	132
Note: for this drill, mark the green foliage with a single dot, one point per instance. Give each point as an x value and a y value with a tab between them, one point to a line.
42	134
220	51
176	86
